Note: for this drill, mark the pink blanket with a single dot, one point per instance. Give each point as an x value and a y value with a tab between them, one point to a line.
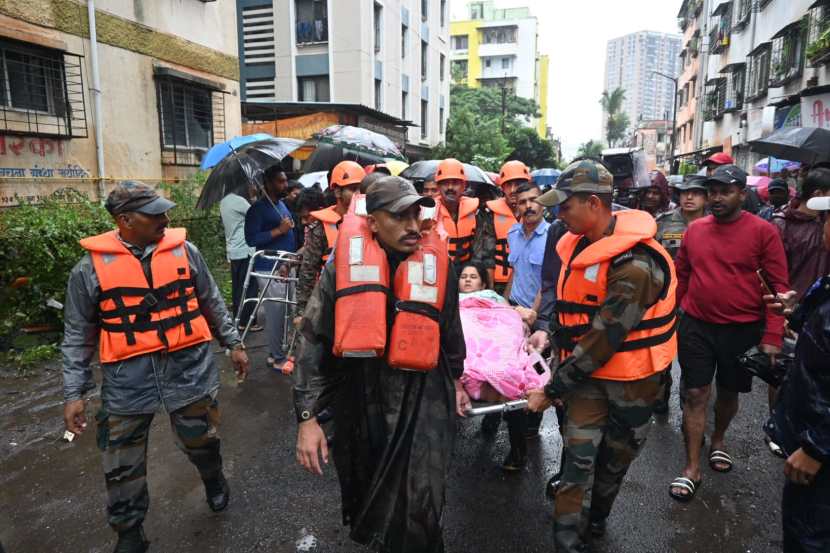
495	340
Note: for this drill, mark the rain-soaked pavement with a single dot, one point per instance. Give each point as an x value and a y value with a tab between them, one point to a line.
52	493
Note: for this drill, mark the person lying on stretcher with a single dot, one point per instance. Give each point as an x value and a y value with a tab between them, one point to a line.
498	367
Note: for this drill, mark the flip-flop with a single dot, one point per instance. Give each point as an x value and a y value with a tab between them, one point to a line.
687	484
720	457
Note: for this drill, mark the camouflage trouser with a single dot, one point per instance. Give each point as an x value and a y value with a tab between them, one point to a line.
606	426
123	441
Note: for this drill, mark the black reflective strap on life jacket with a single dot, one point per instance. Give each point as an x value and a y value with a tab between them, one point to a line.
573	308
568	336
142	324
419	308
501	254
651	341
461	248
361	289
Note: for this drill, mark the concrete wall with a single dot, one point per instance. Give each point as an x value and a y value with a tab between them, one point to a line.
132	143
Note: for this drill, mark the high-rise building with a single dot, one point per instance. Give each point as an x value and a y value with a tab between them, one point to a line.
631	62
387	60
498	47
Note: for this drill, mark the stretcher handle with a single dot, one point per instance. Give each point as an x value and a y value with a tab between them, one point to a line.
506	407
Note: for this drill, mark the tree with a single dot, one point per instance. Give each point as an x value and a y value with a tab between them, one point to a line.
469	137
592	148
530	149
617	121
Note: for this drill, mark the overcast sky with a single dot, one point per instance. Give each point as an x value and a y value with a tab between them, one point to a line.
574	34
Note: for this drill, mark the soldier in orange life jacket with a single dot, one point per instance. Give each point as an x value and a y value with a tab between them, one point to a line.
460	219
381	347
512	175
615	330
145	296
322	232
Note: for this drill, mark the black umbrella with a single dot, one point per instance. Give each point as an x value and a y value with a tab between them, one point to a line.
805	144
422	170
326	156
244	167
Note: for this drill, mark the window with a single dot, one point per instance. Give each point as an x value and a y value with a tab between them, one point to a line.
258	34
734	95
378	94
424	118
487	62
312	21
459	70
443	13
498	35
714	99
192	119
787	57
460	42
758	71
441	120
378	21
742	14
424	10
404	104
313	89
505	63
41	91
424	56
818	34
442	66
477	10
404	41
721	28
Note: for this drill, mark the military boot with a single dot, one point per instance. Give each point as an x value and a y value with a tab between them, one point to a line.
218	493
132	541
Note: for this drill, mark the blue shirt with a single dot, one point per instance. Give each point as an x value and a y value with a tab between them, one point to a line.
526	256
261	218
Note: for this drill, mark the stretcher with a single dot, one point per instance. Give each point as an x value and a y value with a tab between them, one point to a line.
289	260
502	408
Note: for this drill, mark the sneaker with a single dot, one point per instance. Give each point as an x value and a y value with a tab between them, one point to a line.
774	448
132	541
218	493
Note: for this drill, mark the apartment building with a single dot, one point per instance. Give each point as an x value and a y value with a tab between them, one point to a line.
633	62
498	47
692	21
382	62
169	82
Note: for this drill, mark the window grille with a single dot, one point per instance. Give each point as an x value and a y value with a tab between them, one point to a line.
191	120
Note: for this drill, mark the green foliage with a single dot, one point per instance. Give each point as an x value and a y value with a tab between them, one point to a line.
592	148
820	46
29	358
485	128
39	246
617	120
687	168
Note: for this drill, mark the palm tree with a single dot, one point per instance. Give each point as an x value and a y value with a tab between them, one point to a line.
592	148
617	120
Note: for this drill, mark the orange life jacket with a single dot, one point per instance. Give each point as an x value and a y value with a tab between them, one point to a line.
362	280
503	219
329	218
651	346
460	234
138	317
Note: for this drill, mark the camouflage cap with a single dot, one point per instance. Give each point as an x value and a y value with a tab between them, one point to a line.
580	176
692	182
131	195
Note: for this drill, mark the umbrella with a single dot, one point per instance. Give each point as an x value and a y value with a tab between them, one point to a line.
805	144
220	151
243	167
326	156
359	140
318	177
421	170
396	166
757	181
545	177
778	165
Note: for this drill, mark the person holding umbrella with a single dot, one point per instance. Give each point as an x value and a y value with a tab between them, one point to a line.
270	226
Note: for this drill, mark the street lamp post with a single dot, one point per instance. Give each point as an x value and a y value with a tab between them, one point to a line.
673	116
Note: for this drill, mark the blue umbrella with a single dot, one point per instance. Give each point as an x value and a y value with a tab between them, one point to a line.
545	177
223	150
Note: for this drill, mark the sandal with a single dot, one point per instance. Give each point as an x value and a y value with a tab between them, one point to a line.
686	484
719	458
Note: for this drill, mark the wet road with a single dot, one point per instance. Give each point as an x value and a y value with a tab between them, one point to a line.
52	493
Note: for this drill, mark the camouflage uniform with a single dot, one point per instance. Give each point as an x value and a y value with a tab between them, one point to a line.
671	226
606	420
484	242
312	263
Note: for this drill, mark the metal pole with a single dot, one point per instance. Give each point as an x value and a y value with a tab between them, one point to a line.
673	116
96	98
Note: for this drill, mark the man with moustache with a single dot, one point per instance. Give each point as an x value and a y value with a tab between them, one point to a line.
145	296
394	428
723	316
512	175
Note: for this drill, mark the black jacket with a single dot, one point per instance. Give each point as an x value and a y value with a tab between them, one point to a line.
801	418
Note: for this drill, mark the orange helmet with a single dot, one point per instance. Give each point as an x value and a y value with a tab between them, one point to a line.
346	173
513	170
448	169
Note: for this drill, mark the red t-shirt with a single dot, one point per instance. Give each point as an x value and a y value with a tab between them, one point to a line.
716	275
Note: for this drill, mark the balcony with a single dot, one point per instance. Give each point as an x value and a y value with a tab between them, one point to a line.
818	36
719	41
313	31
787	61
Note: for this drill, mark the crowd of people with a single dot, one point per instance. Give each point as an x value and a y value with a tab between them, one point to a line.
413	300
